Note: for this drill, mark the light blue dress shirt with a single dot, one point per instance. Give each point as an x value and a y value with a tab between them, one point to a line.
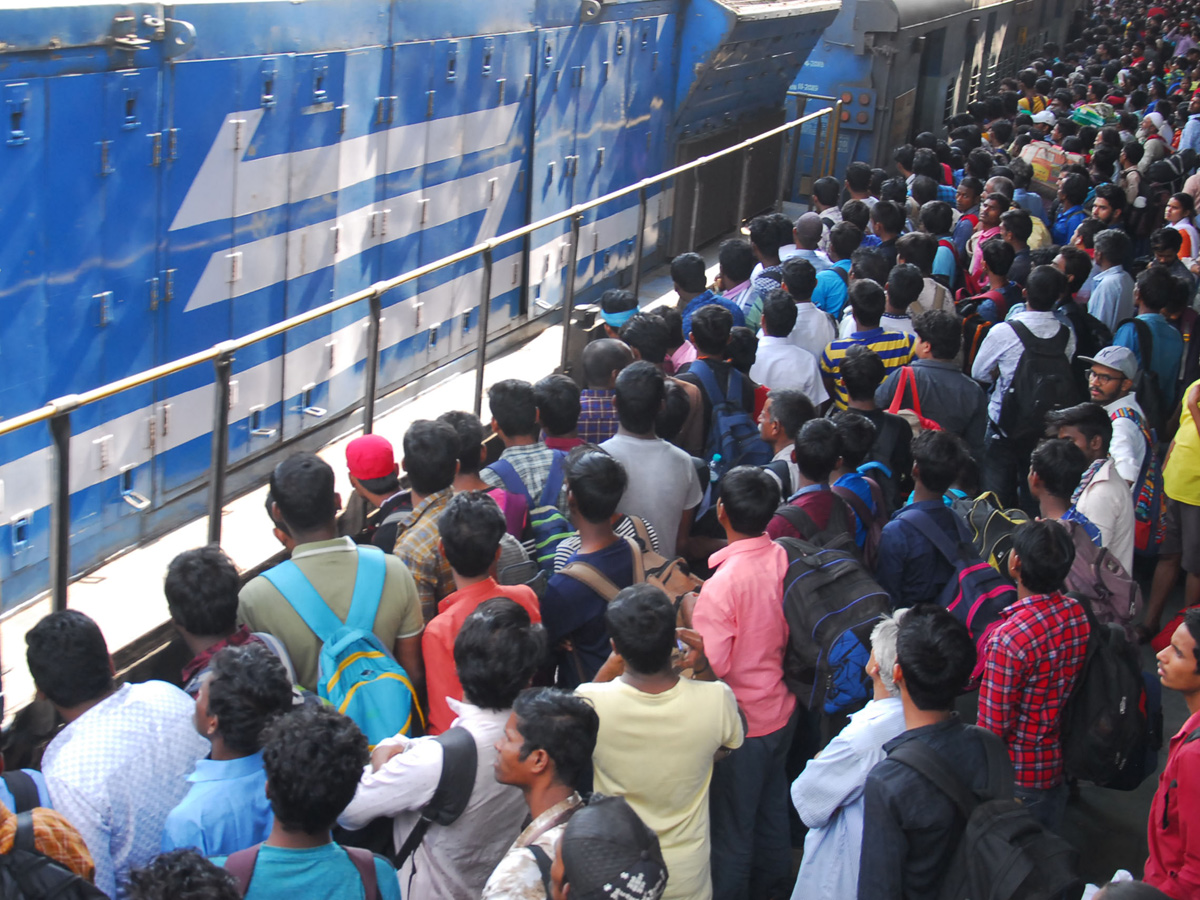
828	795
1112	297
225	810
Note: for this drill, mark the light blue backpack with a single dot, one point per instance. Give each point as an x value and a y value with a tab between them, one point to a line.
356	674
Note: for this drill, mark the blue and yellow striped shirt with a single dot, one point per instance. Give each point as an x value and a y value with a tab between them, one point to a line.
895	348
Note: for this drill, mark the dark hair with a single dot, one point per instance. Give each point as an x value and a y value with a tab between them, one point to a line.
248	687
387	485
1133	152
182	875
1185	200
688	271
496	652
1018	223
514	407
558	403
1078	267
1191	618
647	333
1113	194
856	436
942	330
711	326
936	655
68	658
1139	890
998	256
674	320
925	162
565	726
1022	173
979	163
867	262
1090	419
800	277
861	371
817	449
868	301
779	313
1166	239
939	457
302	486
791	409
742	349
616	300
1156	288
641	623
430	456
1087	230
470	434
858	177
765	235
750	497
889	216
1046	551
202	591
923	189
600	359
314	758
640	392
903	156
918	249
596	481
471	527
1059	464
972	184
736	258
1043	287
857	213
827	190
845	238
936	217
904	285
1075	189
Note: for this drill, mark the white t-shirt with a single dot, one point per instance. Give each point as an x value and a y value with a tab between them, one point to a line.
662	484
1108	503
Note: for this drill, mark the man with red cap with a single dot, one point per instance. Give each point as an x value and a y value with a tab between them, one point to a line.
375	477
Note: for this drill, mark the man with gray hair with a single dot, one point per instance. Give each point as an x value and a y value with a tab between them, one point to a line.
1111	300
828	794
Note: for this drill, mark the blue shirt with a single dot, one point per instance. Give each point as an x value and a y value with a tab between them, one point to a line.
1065	224
945	263
225	810
1168	352
830	293
908	566
39	781
324	872
1031	203
857	483
1191	134
1112	296
708	298
947	193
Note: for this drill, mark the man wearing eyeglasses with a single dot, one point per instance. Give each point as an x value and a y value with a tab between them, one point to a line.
1110	383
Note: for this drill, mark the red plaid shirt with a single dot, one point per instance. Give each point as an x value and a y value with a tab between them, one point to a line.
1031	661
597	416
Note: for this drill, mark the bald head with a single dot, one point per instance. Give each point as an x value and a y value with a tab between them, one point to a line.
603	360
999	185
808	231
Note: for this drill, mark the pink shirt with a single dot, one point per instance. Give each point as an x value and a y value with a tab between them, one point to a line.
684	354
740	615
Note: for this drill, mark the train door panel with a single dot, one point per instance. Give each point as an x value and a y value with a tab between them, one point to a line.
644	139
552	174
930	102
257	263
133	159
24	335
202	151
314	236
407	110
360	201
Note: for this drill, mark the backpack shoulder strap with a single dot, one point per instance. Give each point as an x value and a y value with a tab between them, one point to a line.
923	522
708	379
298	591
23	789
1145	338
511	480
543	863
798	519
241	866
25	838
642	532
591	577
460	761
364	861
368	588
927	762
554	480
842	274
856	503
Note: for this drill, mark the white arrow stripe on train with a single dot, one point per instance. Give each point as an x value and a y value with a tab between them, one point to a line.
230	185
270	260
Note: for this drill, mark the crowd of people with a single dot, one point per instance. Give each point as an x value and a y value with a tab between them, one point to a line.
727	602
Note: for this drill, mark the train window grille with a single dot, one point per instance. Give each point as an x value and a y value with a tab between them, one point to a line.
973	88
949	105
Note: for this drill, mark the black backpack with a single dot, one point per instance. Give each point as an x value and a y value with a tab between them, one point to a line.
838	533
1146	387
1107	726
1043	381
1004	853
1091	336
26	874
831	605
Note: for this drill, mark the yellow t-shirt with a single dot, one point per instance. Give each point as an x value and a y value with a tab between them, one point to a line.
687	725
1181	477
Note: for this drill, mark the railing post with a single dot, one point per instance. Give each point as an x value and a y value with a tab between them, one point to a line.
793	161
835	128
743	188
569	295
223	365
695	224
372	373
639	245
485	308
60	511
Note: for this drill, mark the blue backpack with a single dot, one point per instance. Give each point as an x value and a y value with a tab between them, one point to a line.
357	675
733	438
548	527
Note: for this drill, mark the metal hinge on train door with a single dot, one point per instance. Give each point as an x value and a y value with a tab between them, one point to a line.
155	148
105	168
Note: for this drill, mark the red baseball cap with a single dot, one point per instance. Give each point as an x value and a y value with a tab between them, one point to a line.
370	456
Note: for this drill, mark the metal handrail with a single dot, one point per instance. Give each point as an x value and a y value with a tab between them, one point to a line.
58	411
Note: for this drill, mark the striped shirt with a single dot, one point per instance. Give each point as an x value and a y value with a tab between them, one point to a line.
893	347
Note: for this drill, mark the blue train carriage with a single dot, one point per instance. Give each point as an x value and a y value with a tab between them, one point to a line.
171	177
902	67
